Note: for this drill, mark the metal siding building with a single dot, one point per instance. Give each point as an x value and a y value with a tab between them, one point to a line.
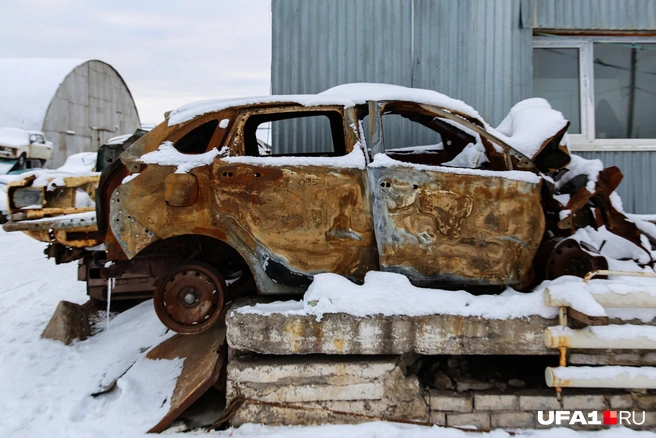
77	104
474	50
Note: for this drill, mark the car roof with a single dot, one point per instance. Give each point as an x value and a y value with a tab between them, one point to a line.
347	95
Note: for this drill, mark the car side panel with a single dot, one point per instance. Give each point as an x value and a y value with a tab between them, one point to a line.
458	228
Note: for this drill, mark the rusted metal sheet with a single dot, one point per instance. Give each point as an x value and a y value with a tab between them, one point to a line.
57	219
434	225
287	222
204	355
57	198
75	231
304	220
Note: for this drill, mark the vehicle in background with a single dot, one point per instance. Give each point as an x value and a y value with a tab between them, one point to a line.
48	195
20	149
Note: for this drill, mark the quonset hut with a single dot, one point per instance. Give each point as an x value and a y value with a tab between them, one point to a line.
77	104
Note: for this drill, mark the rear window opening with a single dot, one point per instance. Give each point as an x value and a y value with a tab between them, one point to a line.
198	139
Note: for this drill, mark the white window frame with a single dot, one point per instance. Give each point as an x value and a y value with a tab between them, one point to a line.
586	141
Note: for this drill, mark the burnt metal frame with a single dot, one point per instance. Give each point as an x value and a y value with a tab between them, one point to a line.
586	141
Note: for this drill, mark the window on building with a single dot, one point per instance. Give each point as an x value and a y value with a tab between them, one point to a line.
606	87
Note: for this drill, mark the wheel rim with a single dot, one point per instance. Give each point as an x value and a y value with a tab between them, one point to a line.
190	298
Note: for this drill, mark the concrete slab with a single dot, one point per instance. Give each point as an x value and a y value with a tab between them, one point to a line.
343	334
316	389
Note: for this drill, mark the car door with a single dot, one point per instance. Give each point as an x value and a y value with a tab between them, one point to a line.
439	215
297	198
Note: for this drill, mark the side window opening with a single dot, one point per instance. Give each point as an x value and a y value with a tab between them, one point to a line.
414	136
198	139
303	134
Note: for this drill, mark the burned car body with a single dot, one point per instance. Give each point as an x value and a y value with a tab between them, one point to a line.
58	206
197	212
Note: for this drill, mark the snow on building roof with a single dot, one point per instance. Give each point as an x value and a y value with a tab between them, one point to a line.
27	86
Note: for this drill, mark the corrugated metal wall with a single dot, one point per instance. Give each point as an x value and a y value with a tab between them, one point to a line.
590	14
474	50
637	187
471	50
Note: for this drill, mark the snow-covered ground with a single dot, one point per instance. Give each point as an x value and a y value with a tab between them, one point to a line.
46	387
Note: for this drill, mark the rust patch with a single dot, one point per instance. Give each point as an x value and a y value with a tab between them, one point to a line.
481	230
213	232
316	219
180	189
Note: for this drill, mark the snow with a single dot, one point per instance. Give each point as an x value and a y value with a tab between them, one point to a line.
6	165
582	166
362	92
83	200
15	137
195	109
612	332
561	291
397	430
29	85
129	178
563	199
472	156
223	124
382	160
643	222
603	373
119	139
528	124
611	245
343	95
574	292
46	386
79	163
168	155
622	285
353	160
379	295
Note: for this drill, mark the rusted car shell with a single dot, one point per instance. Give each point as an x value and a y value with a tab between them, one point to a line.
291	222
288	223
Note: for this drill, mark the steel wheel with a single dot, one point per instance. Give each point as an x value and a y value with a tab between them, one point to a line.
190	298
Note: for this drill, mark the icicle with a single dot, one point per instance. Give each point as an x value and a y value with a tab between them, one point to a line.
110	286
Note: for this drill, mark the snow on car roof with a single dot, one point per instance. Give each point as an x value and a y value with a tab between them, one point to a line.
346	95
16	137
28	86
528	124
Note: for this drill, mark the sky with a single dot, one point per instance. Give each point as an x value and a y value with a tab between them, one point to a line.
168	52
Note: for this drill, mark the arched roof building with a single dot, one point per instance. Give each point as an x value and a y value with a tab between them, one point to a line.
77	104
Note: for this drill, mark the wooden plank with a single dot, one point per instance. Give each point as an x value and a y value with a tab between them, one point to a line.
585	319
